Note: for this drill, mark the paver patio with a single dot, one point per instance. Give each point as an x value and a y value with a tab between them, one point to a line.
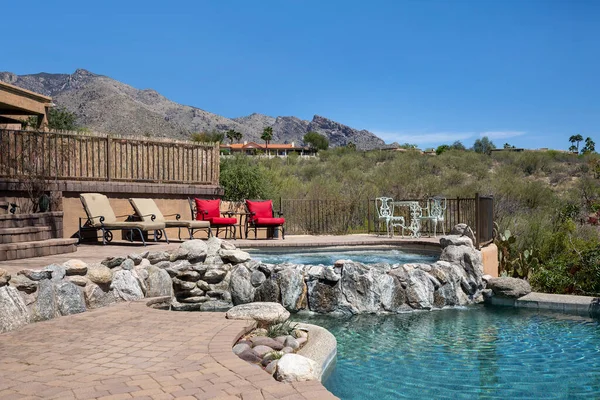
132	351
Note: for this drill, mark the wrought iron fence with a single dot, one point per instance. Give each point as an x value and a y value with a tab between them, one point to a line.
322	217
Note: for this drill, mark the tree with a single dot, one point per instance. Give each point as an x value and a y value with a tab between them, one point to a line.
573	148
457	145
267	136
484	146
208	137
351	146
241	178
576	139
316	141
508	146
59	118
232	135
442	148
589	147
408	146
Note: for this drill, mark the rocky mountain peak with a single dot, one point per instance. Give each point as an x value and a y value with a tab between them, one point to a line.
105	105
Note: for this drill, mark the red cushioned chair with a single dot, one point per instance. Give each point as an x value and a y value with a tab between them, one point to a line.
210	210
261	215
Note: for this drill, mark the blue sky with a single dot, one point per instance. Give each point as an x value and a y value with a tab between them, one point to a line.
526	72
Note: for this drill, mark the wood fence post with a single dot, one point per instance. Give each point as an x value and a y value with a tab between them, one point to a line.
109	158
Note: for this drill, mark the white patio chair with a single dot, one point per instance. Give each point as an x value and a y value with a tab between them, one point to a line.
385	212
435	212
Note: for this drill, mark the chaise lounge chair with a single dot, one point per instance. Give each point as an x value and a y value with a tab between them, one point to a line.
146	209
100	216
261	215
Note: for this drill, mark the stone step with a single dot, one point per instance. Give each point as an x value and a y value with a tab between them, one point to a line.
34	219
25	234
15	251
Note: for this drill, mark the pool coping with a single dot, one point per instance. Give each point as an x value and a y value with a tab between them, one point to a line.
587	306
321	348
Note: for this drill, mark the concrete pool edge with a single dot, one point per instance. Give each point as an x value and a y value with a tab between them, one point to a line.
321	348
587	306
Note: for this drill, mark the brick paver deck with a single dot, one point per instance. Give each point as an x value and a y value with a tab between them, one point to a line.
131	351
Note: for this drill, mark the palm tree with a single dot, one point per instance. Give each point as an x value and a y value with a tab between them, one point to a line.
589	147
576	139
267	136
232	135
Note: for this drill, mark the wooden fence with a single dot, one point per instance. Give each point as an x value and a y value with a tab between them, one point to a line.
106	158
323	217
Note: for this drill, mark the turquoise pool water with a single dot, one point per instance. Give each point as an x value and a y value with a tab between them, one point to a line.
317	256
472	353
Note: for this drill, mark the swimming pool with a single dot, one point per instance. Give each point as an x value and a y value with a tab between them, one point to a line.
475	352
327	256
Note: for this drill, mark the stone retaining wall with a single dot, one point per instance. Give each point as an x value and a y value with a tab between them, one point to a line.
214	275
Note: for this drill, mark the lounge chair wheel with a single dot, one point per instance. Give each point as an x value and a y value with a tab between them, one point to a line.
108	236
159	235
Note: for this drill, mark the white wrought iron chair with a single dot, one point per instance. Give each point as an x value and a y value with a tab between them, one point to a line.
435	212
385	212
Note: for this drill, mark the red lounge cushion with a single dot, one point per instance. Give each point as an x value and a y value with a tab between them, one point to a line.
261	209
222	221
269	221
212	207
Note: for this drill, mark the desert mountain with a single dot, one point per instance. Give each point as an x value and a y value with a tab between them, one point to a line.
105	105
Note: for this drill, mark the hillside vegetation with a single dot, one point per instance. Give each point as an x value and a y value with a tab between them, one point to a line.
546	200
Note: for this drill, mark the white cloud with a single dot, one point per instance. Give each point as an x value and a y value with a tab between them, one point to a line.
424	138
501	134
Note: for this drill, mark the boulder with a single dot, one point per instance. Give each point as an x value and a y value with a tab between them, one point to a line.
509	287
261	350
112	262
196	250
13	311
455	240
23	283
214	275
99	274
263	313
267	292
322	297
177	306
250	356
69	298
183	285
158	283
195	299
58	272
136	258
240	285
190	276
419	292
75	267
4	277
293	290
215	305
240	347
463	230
78	280
266	341
291	341
213	246
257	278
179	254
36	275
157	256
45	307
175	268
128	264
234	256
98	296
126	286
203	285
226	245
271	367
297	368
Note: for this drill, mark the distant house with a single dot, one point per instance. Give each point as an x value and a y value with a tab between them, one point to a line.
273	150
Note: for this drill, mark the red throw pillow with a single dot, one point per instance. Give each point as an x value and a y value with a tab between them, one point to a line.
212	208
261	209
